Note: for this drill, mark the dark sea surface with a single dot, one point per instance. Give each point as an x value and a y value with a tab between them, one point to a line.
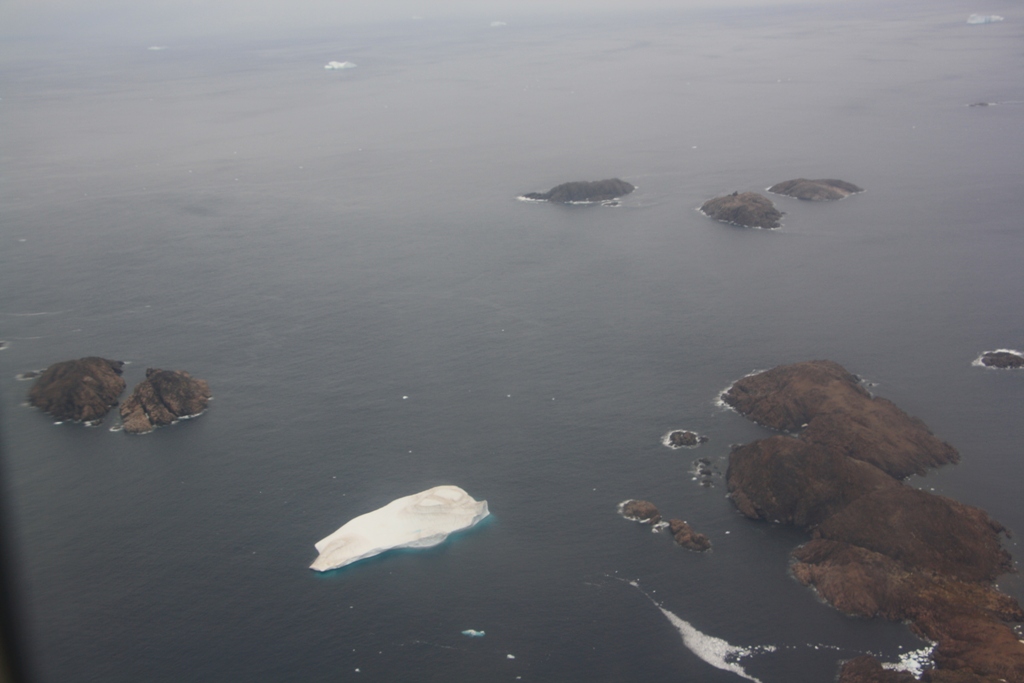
342	256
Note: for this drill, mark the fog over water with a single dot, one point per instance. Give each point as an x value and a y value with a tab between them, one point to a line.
341	254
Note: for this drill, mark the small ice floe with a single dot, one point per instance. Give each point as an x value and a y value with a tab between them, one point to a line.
510	656
332	65
984	19
473	633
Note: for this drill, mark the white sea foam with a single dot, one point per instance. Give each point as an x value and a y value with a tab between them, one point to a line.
915	661
339	65
715	651
984	19
977	361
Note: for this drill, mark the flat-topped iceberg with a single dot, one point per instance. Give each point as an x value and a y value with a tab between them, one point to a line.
418	521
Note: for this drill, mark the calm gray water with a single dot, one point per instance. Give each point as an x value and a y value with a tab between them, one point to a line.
320	245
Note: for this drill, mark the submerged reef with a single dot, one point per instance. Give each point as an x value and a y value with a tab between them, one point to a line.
164	397
584	191
81	390
747	209
878	547
823	190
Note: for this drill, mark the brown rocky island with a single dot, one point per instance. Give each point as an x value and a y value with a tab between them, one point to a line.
81	390
878	547
746	209
584	191
164	397
824	190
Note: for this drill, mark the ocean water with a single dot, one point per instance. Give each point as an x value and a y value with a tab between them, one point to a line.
341	254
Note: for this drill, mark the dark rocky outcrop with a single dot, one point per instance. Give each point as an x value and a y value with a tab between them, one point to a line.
833	410
685	536
824	190
584	191
640	511
1005	360
164	397
82	390
747	209
683	438
878	546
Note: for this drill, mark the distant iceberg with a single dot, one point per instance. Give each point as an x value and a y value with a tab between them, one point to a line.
418	521
340	65
983	18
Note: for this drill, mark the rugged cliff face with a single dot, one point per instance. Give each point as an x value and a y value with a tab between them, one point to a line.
584	191
824	190
747	209
878	546
164	397
81	390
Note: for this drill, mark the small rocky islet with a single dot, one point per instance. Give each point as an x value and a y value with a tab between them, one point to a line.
584	191
823	190
163	398
81	390
745	209
645	512
84	390
1002	360
878	546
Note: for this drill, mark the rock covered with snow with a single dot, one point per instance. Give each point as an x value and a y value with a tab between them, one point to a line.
421	520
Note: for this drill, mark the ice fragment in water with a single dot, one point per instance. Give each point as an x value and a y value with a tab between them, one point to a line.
339	65
983	18
418	521
472	633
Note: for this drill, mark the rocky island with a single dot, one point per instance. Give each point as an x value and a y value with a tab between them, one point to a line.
164	397
747	209
645	512
878	547
683	438
584	191
824	190
81	390
1002	359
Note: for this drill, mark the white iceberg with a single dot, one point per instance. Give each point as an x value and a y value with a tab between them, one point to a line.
983	18
339	65
418	521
